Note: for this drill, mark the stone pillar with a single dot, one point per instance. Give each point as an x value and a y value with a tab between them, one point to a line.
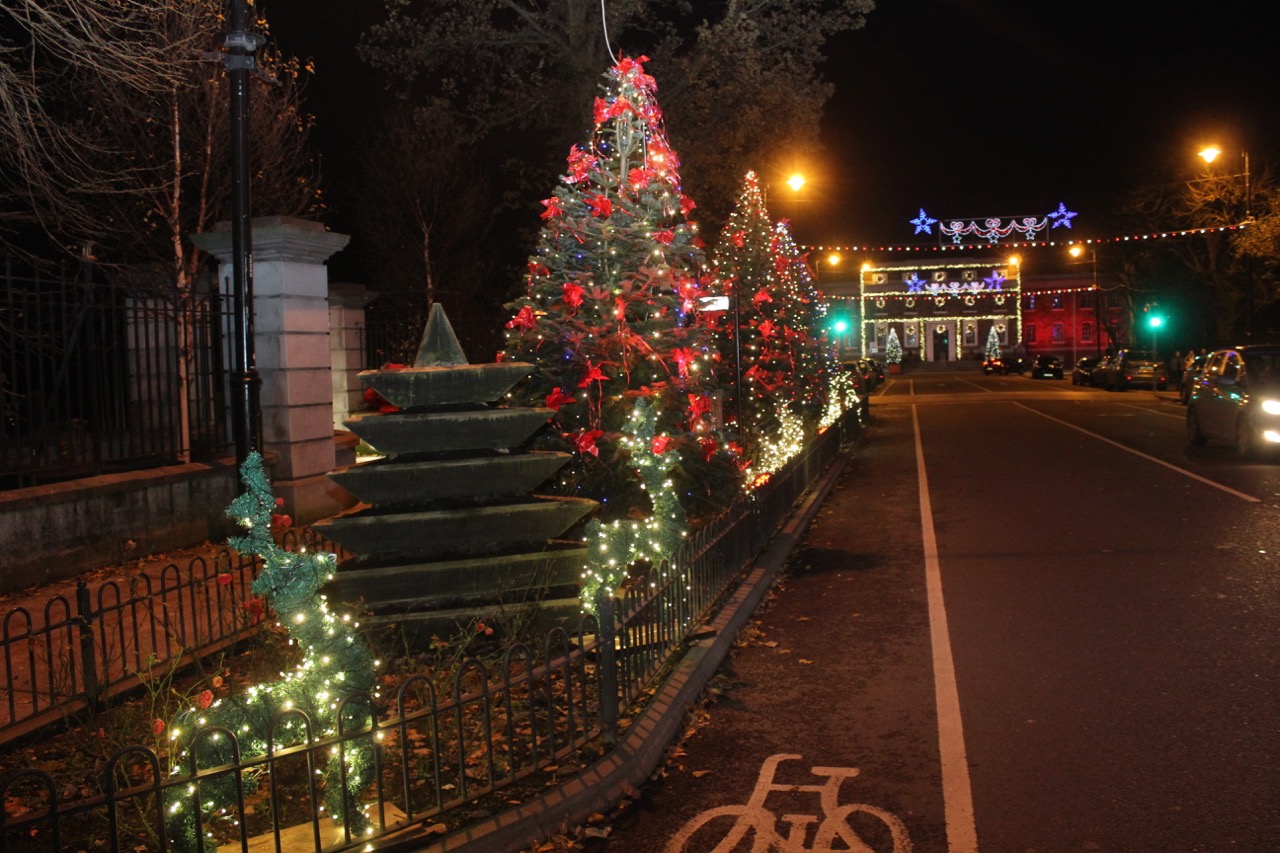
291	347
346	348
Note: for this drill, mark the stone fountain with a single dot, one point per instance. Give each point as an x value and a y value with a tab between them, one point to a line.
453	531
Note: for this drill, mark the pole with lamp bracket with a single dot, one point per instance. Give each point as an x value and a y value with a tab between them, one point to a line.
1077	250
1210	153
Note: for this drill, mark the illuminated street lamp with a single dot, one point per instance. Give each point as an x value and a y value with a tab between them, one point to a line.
1210	153
1077	251
796	181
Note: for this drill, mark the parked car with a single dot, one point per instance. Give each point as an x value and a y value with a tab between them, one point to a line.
1082	373
1190	374
999	365
861	373
877	368
1098	376
1236	399
1046	367
1133	368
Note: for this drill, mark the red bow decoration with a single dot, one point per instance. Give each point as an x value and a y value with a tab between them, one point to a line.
600	206
593	375
585	442
761	297
709	448
660	444
558	398
619	309
637	178
699	405
684	357
573	294
580	163
553	208
627	66
765	328
665	236
538	270
687	205
688	290
735	448
738	238
524	319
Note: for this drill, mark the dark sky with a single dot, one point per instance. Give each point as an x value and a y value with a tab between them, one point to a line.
968	108
975	108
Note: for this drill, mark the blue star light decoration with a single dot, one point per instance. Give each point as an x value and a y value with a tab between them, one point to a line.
1061	216
924	223
914	283
995	281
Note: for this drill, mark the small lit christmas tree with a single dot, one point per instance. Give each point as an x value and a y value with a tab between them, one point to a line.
610	311
993	344
330	690
893	348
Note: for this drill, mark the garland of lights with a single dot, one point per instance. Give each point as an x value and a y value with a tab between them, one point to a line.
1030	244
613	548
306	704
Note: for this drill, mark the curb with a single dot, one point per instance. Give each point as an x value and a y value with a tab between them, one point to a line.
641	750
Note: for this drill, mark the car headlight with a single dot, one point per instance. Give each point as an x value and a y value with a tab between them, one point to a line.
1271	407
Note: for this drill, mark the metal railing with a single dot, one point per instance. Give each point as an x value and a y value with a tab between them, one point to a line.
74	651
447	745
91	376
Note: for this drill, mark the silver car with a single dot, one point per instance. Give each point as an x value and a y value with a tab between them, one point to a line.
1236	399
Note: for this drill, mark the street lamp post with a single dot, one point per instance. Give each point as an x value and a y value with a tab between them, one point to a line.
1076	251
1209	154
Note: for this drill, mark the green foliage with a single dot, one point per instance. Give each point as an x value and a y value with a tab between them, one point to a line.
330	691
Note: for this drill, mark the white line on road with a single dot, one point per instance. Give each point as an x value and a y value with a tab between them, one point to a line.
976	385
1153	411
1183	471
957	794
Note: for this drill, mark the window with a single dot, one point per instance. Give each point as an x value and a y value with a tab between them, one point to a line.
1086	331
1057	303
1059	334
970	336
911	336
1029	333
1031	302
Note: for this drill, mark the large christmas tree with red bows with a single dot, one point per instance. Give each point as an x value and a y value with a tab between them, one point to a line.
610	313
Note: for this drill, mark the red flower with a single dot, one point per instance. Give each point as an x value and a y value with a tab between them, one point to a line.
600	206
572	294
524	319
585	442
558	398
217	681
157	726
660	444
664	236
594	374
204	699
224	579
553	208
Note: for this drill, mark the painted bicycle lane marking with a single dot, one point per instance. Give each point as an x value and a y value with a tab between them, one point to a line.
857	826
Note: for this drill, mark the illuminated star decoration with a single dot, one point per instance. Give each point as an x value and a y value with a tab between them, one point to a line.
924	222
1062	216
995	281
914	283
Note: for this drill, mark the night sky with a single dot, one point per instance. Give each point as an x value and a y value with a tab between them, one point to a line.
967	108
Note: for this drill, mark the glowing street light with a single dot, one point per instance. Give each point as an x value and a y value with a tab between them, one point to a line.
1210	153
796	181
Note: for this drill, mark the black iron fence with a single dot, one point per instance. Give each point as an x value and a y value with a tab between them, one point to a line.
72	652
96	377
448	744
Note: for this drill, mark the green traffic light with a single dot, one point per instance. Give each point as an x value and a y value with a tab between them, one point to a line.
1155	321
840	326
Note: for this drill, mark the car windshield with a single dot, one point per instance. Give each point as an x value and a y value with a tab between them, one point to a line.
1263	365
1139	355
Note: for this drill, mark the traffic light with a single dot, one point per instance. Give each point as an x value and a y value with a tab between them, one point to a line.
1155	321
840	325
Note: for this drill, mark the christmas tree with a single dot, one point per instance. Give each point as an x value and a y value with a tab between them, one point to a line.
993	344
893	348
744	270
610	311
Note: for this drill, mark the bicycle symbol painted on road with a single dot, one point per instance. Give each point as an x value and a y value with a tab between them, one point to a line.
855	826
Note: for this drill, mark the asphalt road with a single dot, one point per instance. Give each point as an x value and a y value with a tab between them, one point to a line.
1065	643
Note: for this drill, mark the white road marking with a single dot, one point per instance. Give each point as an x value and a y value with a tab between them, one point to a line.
1153	411
976	385
957	794
1183	471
